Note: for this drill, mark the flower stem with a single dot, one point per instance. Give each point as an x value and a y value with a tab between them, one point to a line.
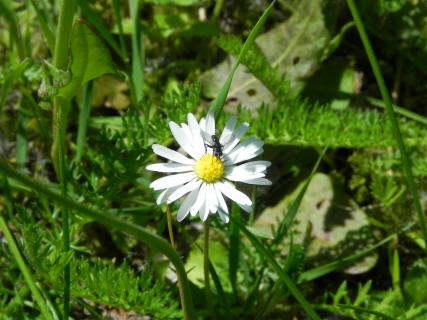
170	229
60	108
208	292
406	162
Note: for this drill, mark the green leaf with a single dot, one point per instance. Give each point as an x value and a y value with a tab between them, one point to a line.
90	60
333	84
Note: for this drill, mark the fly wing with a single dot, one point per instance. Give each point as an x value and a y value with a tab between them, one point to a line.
207	138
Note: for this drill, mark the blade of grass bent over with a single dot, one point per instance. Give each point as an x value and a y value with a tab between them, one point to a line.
152	240
218	104
394	124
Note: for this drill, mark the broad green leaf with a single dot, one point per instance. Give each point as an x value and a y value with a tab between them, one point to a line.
90	59
217	254
293	47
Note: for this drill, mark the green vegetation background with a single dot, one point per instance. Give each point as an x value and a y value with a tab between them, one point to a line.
346	234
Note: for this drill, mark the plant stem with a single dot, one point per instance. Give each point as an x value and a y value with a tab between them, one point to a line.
24	269
150	239
170	229
208	292
407	167
217	9
60	108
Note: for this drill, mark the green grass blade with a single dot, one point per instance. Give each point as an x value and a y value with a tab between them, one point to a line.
44	23
394	264
24	269
399	110
293	208
218	104
234	251
137	52
7	12
268	256
367	311
150	239
395	125
103	30
322	270
219	289
21	140
83	120
117	14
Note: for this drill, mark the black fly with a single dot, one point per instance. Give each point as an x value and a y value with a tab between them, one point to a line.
216	147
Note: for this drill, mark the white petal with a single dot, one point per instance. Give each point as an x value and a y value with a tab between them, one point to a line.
171	155
244	176
245	207
196	141
164	194
196	133
246	150
224	216
202	124
185	207
228	131
249	170
169	167
182	138
220	198
231	192
210	123
204	211
201	198
258	181
253	166
213	202
235	138
247	155
172	181
182	190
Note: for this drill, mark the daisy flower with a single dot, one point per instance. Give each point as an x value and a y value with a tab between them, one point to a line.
213	164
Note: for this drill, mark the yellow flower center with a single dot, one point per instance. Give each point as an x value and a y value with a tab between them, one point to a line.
209	168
